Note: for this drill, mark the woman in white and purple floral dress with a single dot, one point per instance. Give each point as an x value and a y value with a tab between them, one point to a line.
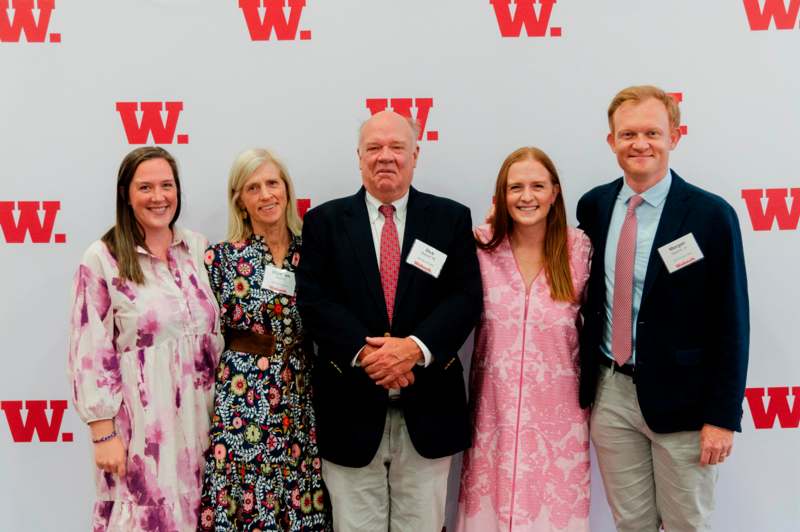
263	468
143	346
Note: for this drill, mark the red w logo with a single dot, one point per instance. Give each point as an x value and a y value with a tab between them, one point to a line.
274	19
762	217
36	421
785	17
678	97
524	15
152	122
24	21
303	204
29	222
402	106
777	407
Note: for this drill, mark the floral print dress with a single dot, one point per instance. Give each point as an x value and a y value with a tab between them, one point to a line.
144	356
528	468
263	469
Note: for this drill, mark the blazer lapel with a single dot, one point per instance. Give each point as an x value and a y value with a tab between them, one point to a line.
359	232
676	207
416	228
604	211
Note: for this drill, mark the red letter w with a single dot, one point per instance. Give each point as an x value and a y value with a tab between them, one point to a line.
36	421
152	123
274	18
776	208
785	16
524	14
24	20
29	221
777	407
402	106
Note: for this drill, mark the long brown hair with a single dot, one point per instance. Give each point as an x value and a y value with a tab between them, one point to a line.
126	234
556	252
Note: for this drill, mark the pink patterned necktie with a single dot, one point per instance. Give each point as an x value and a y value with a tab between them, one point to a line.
622	311
390	257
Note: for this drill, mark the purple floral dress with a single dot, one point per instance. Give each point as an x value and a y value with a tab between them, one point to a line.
263	467
144	356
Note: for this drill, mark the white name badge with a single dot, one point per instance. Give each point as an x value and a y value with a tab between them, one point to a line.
427	258
680	253
277	280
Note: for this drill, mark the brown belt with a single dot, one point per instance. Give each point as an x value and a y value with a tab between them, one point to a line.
249	342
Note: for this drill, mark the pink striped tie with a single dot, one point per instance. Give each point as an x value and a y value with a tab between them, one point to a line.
390	258
622	311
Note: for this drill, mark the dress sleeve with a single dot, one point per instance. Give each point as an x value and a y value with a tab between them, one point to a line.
581	261
213	261
93	359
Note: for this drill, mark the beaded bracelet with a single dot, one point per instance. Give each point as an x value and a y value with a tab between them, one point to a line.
106	438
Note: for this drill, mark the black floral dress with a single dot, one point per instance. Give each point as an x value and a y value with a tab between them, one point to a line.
262	469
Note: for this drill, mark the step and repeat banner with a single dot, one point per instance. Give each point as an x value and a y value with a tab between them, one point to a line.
84	82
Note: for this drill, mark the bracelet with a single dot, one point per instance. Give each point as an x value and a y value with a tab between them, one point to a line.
106	438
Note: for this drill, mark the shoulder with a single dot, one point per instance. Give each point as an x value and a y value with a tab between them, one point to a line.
577	238
330	208
708	200
439	202
97	256
594	194
483	233
579	243
194	241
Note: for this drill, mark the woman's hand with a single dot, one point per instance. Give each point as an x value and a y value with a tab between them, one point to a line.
109	455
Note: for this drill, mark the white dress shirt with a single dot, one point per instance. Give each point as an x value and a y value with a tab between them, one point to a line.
376	221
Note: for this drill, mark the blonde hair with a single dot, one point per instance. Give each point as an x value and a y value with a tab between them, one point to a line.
639	93
239	227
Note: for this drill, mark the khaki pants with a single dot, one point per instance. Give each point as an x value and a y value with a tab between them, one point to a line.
649	478
398	491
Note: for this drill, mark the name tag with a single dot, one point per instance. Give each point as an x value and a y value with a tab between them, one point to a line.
277	280
680	253
427	258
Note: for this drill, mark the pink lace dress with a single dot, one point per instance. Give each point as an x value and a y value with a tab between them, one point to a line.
528	468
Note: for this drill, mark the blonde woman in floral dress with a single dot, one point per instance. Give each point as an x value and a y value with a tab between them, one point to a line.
143	346
263	469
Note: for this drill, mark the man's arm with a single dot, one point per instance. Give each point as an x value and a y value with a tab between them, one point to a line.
729	331
329	323
730	338
445	329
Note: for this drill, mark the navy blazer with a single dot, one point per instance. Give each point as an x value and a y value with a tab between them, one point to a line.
693	327
341	302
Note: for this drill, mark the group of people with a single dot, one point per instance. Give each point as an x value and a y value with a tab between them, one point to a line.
304	375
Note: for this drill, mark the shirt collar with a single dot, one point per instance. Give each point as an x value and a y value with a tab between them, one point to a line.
178	238
653	196
373	203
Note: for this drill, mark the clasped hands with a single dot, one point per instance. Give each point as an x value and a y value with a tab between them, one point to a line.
389	360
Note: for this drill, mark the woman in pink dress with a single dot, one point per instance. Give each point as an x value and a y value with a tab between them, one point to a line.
528	468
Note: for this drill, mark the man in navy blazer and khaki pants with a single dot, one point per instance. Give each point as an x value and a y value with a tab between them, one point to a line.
389	289
664	345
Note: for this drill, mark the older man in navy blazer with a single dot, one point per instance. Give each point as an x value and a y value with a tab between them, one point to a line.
664	345
389	288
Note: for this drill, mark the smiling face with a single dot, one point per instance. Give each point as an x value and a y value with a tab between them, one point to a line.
530	193
642	137
153	195
387	156
263	196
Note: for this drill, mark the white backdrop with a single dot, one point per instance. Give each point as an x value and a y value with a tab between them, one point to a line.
62	139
